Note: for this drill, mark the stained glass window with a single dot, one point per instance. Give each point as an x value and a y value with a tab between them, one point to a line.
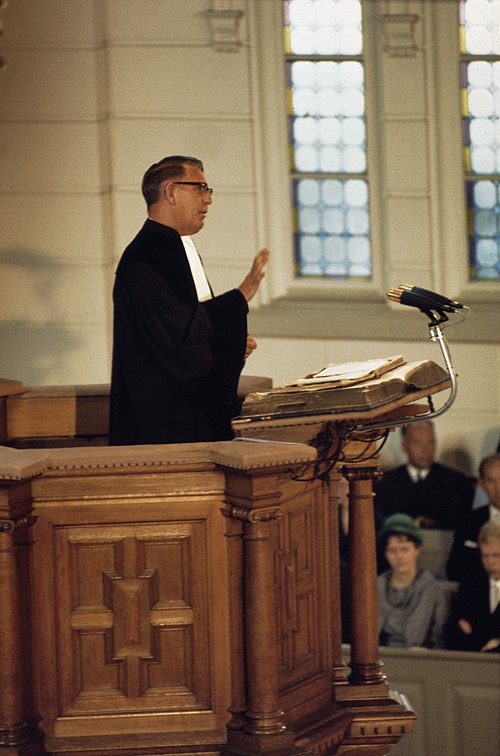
480	83
327	137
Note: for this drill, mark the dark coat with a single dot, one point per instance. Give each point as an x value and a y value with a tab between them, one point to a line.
176	361
472	603
445	495
465	558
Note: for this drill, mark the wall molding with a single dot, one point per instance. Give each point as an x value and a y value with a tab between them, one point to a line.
369	321
223	20
398	34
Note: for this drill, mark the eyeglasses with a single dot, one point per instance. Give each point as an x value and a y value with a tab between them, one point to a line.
202	186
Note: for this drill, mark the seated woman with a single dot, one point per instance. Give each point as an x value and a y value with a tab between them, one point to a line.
413	606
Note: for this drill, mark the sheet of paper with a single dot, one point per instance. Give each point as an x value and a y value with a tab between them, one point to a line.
348	371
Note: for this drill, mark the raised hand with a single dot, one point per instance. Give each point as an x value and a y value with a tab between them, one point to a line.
250	285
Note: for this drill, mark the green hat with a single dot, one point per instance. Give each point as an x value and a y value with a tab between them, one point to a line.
401	524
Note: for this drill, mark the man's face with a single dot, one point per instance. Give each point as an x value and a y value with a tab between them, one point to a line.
419	443
189	203
490	557
490	482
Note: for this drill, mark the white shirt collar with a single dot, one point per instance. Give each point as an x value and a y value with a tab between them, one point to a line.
416	474
494	513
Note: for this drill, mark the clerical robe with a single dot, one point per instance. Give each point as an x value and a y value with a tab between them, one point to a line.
176	361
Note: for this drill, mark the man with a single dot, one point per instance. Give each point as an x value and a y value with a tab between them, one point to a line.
464	555
177	350
434	495
480	497
476	618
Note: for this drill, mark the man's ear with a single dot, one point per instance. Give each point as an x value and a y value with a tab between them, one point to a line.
169	192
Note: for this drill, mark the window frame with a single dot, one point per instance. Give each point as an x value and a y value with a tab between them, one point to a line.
471	177
348	308
318	175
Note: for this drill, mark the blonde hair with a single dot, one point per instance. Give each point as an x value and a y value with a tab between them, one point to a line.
489	532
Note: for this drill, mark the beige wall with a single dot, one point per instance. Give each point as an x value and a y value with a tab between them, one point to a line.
91	95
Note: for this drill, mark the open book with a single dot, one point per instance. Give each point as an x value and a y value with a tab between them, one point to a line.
348	373
347	393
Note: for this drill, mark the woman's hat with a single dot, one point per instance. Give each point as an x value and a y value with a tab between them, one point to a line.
401	524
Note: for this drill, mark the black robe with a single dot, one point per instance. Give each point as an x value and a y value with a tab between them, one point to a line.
465	558
176	361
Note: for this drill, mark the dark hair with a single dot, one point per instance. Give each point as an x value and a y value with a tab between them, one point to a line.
487	461
420	423
171	167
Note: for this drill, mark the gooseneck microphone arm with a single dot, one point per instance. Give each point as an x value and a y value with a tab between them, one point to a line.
437	307
436	334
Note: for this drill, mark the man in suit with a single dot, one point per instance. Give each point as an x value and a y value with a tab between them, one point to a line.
475	624
177	350
464	555
435	495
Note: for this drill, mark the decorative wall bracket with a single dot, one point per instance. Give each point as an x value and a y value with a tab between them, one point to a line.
223	24
398	34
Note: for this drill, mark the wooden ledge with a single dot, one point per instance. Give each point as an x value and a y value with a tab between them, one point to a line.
246	454
46	392
9	387
20	464
247	384
17	464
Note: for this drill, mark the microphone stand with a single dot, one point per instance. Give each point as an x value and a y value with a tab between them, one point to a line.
437	318
369	432
436	334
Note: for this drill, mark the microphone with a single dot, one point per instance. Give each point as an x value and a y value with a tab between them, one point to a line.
423	299
432	295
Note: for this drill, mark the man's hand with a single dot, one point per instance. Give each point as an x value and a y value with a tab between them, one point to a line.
465	626
251	345
250	284
491	645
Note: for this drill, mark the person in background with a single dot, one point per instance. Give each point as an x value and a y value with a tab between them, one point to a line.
178	351
480	496
413	607
475	623
435	495
464	557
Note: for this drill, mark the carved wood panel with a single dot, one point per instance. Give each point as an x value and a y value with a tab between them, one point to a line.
301	587
126	618
128	596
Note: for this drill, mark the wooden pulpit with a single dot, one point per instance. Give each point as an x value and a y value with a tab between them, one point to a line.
185	599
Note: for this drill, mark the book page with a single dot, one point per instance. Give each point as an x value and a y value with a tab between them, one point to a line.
349	372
